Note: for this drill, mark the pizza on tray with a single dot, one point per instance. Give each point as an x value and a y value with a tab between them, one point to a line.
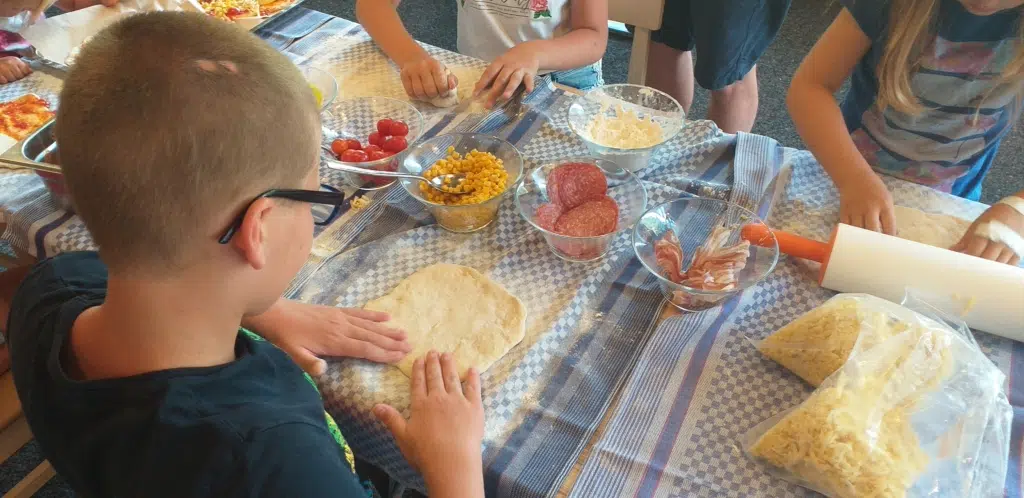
20	117
230	10
271	7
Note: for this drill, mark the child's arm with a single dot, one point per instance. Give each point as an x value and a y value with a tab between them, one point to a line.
584	44
864	201
443	436
1008	213
422	75
306	332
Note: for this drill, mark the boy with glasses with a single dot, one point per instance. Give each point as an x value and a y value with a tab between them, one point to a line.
190	149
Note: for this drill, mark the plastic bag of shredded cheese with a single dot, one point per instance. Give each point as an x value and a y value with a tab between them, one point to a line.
817	343
919	412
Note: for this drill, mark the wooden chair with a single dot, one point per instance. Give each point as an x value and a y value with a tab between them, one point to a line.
14	433
644	16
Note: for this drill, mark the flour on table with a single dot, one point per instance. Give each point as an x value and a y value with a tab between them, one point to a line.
939	230
454	308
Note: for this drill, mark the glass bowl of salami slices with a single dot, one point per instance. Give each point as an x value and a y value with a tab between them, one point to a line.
580	204
372	133
694	246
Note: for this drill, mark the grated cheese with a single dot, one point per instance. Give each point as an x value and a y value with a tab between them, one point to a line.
624	130
853	437
818	343
359	202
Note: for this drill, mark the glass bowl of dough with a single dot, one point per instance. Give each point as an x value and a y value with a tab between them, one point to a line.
580	205
693	245
492	168
370	133
625	123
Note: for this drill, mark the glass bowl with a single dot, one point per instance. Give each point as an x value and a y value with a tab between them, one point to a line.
356	119
324	84
607	102
693	219
623	187
467	218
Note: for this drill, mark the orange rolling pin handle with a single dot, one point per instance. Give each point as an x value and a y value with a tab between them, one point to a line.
794	245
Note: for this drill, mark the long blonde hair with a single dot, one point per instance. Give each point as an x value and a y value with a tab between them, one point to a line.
912	24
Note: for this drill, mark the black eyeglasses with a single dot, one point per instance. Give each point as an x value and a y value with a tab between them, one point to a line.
328	196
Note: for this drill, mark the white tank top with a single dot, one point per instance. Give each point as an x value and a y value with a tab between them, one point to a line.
487	28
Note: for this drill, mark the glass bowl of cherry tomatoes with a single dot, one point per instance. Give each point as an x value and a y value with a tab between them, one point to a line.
370	133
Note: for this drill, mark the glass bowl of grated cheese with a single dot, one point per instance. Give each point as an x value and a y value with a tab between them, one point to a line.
625	123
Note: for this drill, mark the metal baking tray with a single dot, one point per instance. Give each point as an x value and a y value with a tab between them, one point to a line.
34	151
277	16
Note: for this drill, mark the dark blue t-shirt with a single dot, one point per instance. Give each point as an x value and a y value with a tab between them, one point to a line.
950	145
253	427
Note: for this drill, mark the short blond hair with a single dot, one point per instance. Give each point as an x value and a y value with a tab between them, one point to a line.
170	124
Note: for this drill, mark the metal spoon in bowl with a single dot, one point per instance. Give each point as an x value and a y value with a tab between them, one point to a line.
452	183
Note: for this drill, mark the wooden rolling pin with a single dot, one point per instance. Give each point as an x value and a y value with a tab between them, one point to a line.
989	296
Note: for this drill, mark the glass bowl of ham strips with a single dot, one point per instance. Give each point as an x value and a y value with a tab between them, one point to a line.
625	123
693	246
580	204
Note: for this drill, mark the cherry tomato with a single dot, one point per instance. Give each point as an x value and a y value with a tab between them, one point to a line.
339	146
354	156
234	12
377	154
399	129
395	144
370	149
377	138
354	144
384	126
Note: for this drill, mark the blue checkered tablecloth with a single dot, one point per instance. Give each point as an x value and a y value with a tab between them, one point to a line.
687	387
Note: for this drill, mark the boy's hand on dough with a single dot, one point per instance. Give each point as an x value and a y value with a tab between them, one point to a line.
519	65
867	203
308	332
979	246
13	69
425	78
443	435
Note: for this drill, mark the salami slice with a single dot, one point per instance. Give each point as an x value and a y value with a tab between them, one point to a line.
590	219
570	185
547	215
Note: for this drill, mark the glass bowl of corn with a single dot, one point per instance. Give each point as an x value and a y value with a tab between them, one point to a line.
492	167
322	84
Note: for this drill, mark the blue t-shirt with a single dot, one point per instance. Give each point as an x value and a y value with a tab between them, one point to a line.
255	427
950	145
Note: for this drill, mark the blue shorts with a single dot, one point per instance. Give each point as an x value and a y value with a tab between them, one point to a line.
729	35
581	78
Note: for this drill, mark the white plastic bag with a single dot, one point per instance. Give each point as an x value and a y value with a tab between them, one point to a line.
818	343
919	413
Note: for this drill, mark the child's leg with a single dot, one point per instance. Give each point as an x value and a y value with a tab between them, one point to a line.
730	36
671	71
734	107
670	63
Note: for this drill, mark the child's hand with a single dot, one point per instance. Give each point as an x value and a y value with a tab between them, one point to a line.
425	78
306	332
519	65
867	203
13	69
979	246
445	429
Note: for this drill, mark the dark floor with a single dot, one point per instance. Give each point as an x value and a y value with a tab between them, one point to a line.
433	21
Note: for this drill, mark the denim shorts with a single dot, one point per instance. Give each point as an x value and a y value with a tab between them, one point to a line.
729	35
581	78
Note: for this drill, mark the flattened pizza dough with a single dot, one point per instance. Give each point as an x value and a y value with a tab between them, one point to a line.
939	230
456	309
